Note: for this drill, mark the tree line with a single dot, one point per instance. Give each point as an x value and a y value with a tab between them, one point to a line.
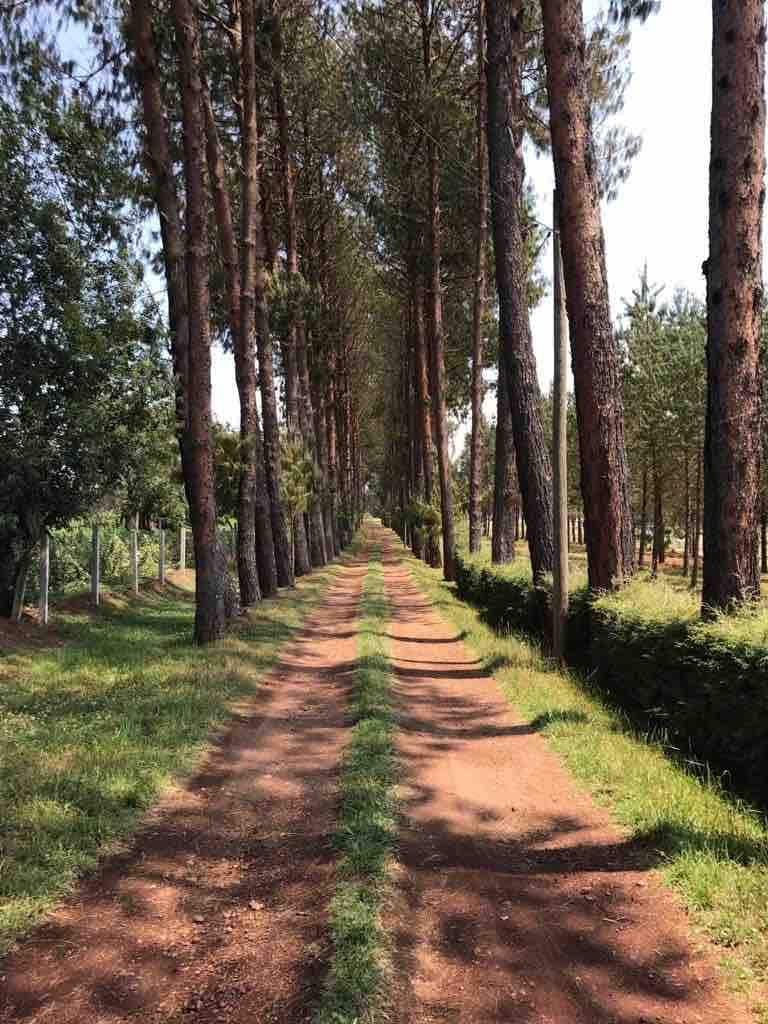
330	190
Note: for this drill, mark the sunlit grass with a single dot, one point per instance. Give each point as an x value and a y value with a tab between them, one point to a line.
711	849
92	732
664	599
367	825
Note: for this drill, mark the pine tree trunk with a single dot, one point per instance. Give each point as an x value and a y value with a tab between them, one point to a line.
330	419
251	501
478	304
733	436
254	306
687	537
696	526
643	516
763	537
594	355
436	346
431	550
658	524
506	48
209	558
505	510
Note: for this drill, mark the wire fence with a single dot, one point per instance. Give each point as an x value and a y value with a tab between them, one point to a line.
86	557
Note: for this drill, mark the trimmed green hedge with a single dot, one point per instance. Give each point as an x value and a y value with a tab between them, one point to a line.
705	696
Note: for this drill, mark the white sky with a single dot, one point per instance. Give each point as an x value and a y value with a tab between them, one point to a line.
660	214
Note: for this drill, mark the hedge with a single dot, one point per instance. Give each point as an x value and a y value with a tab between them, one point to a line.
705	696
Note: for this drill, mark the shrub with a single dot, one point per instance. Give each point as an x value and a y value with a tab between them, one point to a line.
703	691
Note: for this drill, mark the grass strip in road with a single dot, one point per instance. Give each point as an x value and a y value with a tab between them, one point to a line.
710	848
92	731
367	825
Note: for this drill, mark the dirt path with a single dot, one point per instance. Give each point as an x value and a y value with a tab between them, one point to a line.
217	912
517	900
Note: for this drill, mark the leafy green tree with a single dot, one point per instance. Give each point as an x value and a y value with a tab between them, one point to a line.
82	372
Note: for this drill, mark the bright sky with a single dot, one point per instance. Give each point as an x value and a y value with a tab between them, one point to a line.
660	214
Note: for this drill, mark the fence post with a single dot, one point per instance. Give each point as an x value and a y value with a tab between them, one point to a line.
135	553
95	565
161	567
45	575
182	547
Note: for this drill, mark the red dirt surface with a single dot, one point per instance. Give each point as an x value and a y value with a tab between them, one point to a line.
517	900
217	912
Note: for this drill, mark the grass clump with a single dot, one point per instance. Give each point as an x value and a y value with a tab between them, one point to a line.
711	849
367	825
93	731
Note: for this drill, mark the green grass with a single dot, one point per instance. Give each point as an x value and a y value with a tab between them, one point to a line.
92	732
711	849
367	826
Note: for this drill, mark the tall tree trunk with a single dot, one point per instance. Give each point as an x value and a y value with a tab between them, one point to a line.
505	509
297	366
209	559
506	48
254	526
763	536
333	462
478	304
733	436
687	513
431	550
253	302
658	523
439	407
696	526
643	515
594	355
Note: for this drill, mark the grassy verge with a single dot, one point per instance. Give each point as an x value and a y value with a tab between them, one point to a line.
93	731
712	850
367	825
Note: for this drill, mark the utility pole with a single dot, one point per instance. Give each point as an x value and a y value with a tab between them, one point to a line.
560	445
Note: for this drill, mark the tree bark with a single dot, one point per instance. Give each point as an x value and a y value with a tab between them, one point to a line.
254	526
209	561
505	510
254	304
507	174
696	526
431	550
658	523
297	370
643	516
478	304
594	355
763	537
732	443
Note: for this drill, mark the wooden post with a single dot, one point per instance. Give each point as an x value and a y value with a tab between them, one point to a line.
161	567
45	575
182	547
95	565
560	446
135	553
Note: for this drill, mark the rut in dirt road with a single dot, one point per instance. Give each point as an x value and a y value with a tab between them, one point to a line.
516	899
218	912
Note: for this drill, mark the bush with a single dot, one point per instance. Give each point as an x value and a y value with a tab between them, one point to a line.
704	692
